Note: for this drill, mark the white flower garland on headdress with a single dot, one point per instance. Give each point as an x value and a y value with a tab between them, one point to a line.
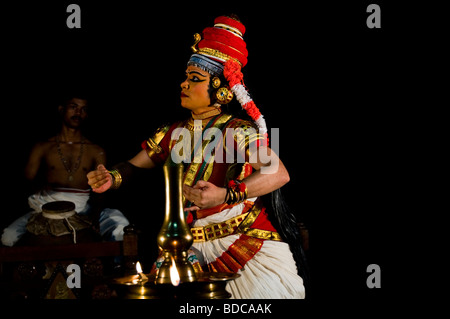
234	76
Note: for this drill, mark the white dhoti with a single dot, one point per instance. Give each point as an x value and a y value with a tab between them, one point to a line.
270	273
111	221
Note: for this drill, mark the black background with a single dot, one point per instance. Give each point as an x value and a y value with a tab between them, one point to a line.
335	89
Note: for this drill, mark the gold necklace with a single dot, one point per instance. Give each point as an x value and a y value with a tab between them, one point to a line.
204	117
207	114
191	127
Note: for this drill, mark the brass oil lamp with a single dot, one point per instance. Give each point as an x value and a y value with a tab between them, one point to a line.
176	277
175	237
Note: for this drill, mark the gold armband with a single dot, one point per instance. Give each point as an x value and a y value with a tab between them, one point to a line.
117	178
153	142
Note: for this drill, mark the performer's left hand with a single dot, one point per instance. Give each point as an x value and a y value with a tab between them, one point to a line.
203	195
100	180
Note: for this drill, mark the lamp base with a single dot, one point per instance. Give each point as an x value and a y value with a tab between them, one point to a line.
208	285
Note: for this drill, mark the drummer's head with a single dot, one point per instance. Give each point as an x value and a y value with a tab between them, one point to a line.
73	111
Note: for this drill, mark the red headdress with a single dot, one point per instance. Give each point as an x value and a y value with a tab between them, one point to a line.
222	49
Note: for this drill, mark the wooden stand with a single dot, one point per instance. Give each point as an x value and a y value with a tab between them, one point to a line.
39	271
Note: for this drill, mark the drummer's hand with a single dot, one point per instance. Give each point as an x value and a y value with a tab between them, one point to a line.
203	195
100	180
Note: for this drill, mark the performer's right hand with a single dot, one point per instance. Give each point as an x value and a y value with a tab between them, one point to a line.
100	180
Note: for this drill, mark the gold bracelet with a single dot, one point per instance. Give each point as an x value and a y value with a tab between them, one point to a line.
236	193
117	178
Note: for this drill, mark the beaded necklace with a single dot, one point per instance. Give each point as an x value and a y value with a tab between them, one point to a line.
65	162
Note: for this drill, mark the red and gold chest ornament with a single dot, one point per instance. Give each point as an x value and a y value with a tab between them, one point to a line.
222	49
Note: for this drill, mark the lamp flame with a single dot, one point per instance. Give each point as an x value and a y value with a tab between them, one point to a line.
142	276
174	276
138	267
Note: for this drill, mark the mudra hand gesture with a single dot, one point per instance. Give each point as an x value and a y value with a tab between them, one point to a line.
203	195
100	180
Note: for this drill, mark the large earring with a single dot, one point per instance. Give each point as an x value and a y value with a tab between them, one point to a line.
215	82
224	95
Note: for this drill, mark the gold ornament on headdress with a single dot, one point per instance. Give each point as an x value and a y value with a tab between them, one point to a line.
197	38
210	52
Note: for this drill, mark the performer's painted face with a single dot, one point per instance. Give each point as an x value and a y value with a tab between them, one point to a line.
194	90
74	112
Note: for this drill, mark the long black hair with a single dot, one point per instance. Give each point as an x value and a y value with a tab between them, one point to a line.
288	226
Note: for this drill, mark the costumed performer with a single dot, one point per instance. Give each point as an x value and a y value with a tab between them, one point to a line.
234	230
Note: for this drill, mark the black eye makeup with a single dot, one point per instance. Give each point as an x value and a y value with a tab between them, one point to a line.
195	76
196	79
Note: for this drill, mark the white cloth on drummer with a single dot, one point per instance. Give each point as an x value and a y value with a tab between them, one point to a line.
111	221
79	197
271	273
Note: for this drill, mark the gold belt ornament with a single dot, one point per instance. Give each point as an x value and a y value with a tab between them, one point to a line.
219	230
239	224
